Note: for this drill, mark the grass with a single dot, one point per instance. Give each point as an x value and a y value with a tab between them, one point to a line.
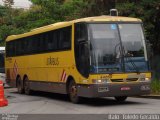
155	85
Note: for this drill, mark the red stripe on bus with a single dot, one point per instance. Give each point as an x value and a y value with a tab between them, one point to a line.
15	69
65	78
62	75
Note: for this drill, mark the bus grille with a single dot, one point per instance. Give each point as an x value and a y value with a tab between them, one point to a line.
131	79
127	80
117	80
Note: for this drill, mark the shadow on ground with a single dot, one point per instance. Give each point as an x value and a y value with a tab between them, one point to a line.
84	101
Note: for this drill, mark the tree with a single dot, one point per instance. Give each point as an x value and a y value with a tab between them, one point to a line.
8	3
60	10
3	13
99	7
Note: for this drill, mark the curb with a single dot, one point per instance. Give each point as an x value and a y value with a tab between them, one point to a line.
150	96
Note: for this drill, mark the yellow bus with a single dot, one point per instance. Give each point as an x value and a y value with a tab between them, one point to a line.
101	56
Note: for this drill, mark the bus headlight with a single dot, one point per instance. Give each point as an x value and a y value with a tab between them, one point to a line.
145	79
99	81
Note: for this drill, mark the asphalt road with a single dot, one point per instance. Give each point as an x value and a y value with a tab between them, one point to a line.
49	103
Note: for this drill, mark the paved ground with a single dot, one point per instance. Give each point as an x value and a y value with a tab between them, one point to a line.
49	103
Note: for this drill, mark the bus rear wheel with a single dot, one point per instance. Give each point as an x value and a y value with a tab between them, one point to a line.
121	98
73	92
20	86
26	86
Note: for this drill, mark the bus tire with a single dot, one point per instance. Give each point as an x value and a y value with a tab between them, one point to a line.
27	90
20	86
121	98
72	90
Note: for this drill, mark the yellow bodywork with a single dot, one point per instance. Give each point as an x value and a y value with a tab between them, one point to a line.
36	66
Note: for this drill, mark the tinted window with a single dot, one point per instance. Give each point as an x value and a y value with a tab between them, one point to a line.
81	49
55	40
1	62
66	38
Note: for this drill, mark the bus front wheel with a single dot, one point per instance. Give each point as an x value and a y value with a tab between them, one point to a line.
26	86
73	92
121	98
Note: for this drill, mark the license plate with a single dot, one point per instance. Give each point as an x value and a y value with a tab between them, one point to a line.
102	89
125	88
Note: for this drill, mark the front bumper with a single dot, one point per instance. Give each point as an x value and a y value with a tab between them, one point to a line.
114	89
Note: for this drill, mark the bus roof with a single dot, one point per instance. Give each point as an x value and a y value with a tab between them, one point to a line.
106	18
103	18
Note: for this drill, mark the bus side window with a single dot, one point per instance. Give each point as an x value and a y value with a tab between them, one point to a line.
34	47
44	41
39	42
59	37
55	40
8	49
18	47
29	45
50	44
11	48
2	63
67	37
64	38
25	46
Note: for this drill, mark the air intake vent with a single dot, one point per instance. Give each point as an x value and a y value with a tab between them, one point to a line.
131	79
117	80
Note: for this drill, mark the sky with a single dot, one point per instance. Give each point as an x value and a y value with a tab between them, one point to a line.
20	3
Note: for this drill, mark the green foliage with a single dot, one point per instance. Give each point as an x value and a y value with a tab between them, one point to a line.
74	9
60	10
155	85
127	9
4	31
2	11
20	20
8	3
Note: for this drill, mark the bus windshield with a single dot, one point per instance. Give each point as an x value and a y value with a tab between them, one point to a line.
117	48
